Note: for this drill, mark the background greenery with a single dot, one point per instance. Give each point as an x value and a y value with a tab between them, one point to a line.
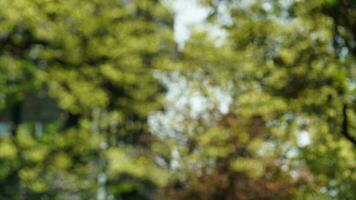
97	101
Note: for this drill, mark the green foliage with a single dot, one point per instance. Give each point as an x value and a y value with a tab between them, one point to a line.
96	102
95	60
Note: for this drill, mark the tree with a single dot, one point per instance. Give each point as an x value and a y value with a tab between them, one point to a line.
282	64
96	60
96	102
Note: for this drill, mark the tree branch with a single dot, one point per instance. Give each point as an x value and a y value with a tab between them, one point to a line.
345	126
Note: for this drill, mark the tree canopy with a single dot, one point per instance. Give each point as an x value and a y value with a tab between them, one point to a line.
98	102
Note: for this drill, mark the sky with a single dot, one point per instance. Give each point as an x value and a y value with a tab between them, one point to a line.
188	13
181	98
